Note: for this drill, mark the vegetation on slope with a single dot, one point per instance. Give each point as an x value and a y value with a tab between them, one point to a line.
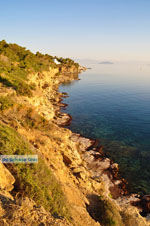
109	214
6	102
16	63
34	180
69	62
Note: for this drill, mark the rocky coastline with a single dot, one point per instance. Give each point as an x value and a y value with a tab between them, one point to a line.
100	166
94	192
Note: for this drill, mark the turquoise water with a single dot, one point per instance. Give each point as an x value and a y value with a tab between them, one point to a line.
111	103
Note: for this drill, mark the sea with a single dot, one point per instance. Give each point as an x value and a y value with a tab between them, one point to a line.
111	103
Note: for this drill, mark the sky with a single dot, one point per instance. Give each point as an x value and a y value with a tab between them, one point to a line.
115	30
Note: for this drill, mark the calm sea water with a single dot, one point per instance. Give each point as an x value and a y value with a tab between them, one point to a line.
111	103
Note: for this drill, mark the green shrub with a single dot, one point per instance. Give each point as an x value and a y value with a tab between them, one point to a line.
109	213
6	102
33	180
16	63
21	87
33	120
20	62
67	61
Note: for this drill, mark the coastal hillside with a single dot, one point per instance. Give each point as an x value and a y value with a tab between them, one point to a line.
72	183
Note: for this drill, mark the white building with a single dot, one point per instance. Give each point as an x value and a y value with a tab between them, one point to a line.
56	61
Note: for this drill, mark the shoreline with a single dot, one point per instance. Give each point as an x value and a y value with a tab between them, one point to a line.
95	149
88	179
115	183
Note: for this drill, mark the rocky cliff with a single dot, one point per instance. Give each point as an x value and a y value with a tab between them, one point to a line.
69	185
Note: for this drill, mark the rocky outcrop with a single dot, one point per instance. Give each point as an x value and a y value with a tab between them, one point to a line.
68	70
24	211
6	179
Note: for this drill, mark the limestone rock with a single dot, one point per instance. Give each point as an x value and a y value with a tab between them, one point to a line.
84	143
6	178
131	217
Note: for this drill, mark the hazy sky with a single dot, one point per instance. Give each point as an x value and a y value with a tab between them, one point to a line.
95	29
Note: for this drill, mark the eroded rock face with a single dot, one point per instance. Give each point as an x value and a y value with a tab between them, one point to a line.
6	178
22	212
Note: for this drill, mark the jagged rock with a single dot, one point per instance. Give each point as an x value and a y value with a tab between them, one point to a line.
22	212
6	178
145	203
114	166
132	217
66	160
64	119
81	172
85	143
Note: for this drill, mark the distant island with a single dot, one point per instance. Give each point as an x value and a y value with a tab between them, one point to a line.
106	62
